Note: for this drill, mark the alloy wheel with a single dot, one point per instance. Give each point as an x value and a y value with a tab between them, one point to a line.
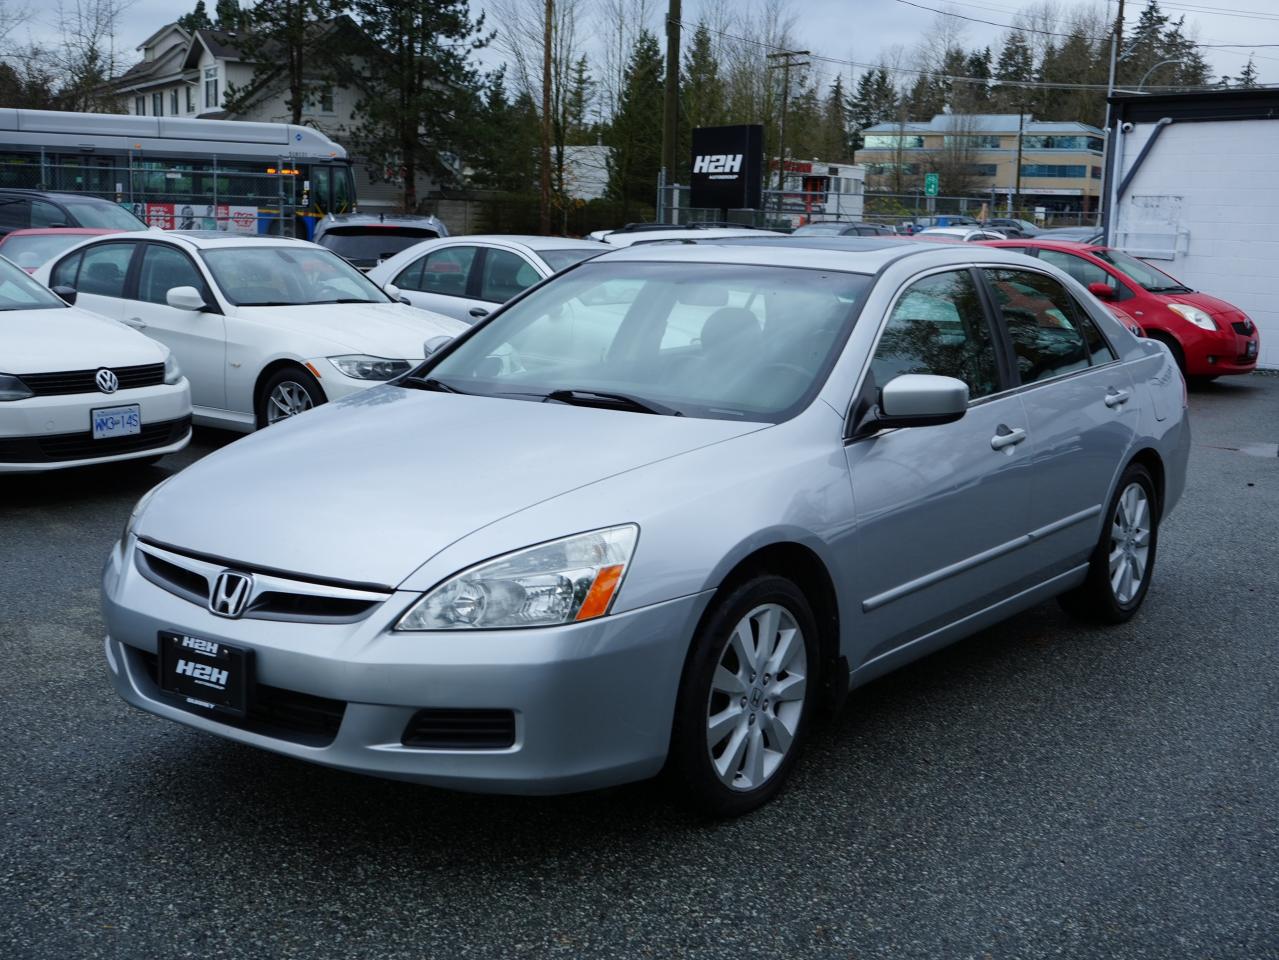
1129	543
757	697
288	399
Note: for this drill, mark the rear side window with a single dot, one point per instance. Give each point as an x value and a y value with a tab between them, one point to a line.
505	275
441	271
938	326
164	268
103	269
1040	319
15	215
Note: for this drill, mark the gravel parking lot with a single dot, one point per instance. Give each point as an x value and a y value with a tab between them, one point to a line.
1037	790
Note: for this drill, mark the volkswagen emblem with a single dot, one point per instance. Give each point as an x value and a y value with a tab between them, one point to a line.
107	381
230	593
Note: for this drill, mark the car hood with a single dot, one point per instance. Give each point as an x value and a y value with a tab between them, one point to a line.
367	489
49	341
1206	302
392	330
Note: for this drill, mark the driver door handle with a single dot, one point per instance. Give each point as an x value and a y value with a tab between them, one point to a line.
1116	397
478	312
137	323
1006	437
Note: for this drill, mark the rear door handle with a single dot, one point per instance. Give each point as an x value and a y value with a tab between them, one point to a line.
1116	397
137	323
1006	437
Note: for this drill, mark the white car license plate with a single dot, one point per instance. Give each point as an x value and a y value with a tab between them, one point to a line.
111	422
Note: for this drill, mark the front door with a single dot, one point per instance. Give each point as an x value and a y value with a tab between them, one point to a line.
196	337
939	509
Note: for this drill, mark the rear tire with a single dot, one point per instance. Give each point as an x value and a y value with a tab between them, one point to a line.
286	393
746	698
1123	562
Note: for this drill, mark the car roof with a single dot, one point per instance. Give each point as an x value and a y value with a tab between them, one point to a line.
643	237
865	255
529	240
209	239
53	194
1074	246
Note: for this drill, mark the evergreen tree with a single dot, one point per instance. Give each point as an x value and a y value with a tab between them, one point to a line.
701	95
835	143
227	14
1015	69
1248	76
874	101
578	128
421	90
504	154
927	97
978	65
637	151
197	19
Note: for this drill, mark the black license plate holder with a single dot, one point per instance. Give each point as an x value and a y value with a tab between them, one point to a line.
207	674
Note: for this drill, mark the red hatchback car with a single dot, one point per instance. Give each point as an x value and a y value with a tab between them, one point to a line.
1209	337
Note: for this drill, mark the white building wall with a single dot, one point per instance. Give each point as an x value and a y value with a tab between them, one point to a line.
1203	206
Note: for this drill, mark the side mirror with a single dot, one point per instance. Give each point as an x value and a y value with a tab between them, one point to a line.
430	346
392	291
1102	291
920	400
185	298
68	294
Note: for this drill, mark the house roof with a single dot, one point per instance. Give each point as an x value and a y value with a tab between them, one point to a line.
985	123
222	44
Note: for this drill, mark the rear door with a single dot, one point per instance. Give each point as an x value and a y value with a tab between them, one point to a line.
444	281
1080	406
503	274
939	508
196	337
97	274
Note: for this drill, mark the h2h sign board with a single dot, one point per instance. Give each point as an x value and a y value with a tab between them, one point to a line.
727	167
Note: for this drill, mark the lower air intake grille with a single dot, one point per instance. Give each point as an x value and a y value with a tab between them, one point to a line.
57	447
449	729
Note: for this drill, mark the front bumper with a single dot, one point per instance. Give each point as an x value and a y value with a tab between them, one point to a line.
1221	352
593	702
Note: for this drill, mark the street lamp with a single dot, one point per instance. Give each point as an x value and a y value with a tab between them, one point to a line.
1142	82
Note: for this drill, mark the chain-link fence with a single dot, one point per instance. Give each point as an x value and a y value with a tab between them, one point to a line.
779	209
248	197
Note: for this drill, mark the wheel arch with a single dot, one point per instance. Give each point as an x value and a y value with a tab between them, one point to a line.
271	369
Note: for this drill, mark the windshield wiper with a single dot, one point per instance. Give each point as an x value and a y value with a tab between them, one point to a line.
270	303
596	398
429	383
345	300
1176	288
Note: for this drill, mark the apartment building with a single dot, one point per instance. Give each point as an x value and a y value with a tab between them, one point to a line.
977	156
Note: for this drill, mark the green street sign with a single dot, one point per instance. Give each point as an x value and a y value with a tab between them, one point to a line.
931	184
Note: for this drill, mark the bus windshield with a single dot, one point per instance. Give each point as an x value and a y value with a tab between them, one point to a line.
280	276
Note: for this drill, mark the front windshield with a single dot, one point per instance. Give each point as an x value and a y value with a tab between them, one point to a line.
1139	272
279	276
20	292
91	212
559	260
722	341
32	250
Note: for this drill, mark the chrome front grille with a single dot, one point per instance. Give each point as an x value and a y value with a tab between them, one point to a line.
272	596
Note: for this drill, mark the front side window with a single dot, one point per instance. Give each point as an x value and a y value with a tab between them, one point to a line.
720	341
104	268
1085	271
164	268
271	276
47	215
441	271
939	327
505	275
1040	320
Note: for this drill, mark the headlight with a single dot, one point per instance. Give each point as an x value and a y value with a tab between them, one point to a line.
1196	316
11	388
172	372
360	367
138	509
558	582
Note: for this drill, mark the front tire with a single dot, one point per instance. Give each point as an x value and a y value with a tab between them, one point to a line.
286	393
746	697
1122	564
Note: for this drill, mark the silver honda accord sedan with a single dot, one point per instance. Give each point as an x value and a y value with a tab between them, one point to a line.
662	511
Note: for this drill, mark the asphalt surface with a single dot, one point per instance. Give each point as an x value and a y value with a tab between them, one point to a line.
1039	790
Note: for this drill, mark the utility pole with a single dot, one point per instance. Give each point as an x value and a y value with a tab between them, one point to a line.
670	116
1021	127
546	119
785	59
1103	197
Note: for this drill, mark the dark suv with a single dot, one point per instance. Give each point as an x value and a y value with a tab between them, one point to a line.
843	228
366	239
24	209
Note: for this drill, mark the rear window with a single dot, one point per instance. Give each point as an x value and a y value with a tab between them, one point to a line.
371	245
36	249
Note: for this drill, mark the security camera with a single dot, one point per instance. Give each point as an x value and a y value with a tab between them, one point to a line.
1127	127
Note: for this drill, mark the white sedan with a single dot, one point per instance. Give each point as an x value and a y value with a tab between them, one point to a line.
469	277
264	327
76	389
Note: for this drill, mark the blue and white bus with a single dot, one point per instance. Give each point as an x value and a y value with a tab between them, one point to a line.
176	173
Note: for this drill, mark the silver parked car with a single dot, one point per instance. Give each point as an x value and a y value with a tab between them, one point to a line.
468	277
660	511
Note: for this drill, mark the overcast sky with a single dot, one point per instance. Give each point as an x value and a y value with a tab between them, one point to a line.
859	29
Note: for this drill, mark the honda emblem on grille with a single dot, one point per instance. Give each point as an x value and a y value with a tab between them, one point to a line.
230	593
106	380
